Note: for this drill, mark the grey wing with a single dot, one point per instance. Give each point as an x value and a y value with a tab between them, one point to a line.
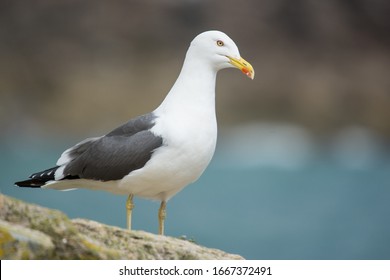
135	125
130	128
75	151
113	156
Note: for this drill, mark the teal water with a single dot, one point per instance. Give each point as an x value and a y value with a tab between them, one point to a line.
319	211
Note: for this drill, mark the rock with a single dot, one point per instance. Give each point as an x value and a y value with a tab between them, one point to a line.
29	231
18	242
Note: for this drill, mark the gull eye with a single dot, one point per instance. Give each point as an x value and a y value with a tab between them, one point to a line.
220	43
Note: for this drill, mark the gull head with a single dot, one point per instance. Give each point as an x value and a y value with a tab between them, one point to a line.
217	49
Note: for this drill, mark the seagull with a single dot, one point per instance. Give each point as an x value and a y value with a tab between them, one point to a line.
157	154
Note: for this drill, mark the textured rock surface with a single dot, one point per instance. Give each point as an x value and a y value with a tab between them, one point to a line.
29	231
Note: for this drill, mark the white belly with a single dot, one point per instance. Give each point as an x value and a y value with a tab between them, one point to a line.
185	154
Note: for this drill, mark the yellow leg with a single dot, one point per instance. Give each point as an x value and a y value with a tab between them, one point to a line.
129	209
161	217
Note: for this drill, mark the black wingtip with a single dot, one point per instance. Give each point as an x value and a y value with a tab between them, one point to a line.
31	183
38	179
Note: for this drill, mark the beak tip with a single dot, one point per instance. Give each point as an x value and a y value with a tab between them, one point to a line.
249	73
243	65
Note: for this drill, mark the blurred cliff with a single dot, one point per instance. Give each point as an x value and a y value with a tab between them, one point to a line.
86	66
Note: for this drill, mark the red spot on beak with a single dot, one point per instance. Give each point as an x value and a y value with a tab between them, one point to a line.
246	71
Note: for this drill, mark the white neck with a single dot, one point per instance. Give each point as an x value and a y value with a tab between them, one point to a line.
194	88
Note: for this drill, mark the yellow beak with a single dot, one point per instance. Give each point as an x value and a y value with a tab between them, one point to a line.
243	65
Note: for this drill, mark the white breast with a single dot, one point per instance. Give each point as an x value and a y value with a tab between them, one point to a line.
188	146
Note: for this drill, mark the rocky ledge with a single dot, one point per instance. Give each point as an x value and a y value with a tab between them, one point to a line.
29	231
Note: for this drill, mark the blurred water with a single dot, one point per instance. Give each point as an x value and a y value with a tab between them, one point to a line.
320	208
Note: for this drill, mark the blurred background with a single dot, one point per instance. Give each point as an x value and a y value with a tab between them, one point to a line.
302	168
